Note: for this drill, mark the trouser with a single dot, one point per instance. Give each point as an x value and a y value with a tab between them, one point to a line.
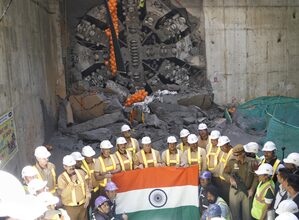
239	204
76	212
223	188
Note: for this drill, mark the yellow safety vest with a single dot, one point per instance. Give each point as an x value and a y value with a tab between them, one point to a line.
215	155
176	161
133	148
81	182
275	166
197	160
145	161
39	176
259	206
181	147
106	168
224	161
123	162
89	172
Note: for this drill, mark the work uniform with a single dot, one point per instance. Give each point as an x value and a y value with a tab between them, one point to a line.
47	174
172	159
151	159
182	147
132	146
195	157
126	160
259	206
203	143
203	201
238	200
275	164
103	165
212	156
74	194
218	178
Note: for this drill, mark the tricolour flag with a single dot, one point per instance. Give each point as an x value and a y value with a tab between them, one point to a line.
165	193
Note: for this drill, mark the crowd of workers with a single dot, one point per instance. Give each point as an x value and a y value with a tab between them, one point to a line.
234	182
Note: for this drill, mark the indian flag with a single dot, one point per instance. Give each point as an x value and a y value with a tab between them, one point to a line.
165	193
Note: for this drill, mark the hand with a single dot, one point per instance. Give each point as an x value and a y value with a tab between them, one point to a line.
140	166
108	175
74	178
86	202
250	193
232	182
125	216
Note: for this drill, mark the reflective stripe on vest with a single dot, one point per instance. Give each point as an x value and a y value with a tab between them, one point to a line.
275	166
176	161
224	161
53	173
107	168
259	205
133	148
145	161
81	182
215	155
182	146
197	160
89	172
123	162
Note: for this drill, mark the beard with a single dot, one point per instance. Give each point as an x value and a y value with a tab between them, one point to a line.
212	201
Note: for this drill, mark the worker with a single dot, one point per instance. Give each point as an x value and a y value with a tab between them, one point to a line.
184	143
172	156
111	192
292	162
148	157
213	212
214	198
288	205
73	190
195	155
239	172
45	169
280	191
251	150
292	186
124	156
270	158
132	143
102	209
106	164
225	155
79	159
205	179
203	134
261	206
213	151
37	186
28	173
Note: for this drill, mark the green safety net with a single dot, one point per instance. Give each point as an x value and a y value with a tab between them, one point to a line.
276	117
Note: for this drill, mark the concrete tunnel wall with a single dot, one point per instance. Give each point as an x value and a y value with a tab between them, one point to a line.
31	72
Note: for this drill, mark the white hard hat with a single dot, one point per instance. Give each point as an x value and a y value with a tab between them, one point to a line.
215	134
251	147
171	140
121	140
146	140
42	152
68	160
36	185
77	155
106	144
287	206
286	215
292	158
28	171
125	128
264	169
47	198
202	126
269	146
192	139
87	151
223	140
184	133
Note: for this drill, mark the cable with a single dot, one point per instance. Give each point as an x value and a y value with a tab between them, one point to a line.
5	10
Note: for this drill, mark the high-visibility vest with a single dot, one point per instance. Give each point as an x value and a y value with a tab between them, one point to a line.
53	173
107	168
74	201
197	160
169	161
124	162
145	161
212	154
224	161
259	206
275	166
133	148
183	147
89	172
